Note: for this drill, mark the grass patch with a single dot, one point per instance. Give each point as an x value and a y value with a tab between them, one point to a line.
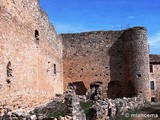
86	105
56	114
36	110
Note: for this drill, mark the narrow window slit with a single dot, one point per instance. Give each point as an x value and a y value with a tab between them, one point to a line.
9	72
37	37
55	70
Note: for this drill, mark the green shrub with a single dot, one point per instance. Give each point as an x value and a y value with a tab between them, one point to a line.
85	106
60	107
57	114
36	110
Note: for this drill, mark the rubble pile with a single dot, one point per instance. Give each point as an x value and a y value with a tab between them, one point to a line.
105	109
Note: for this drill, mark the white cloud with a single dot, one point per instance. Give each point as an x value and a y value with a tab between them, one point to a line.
68	28
131	17
154	40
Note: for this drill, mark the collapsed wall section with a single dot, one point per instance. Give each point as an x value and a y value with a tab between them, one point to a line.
31	56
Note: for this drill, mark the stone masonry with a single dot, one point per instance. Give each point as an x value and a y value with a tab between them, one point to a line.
30	56
36	64
118	59
109	109
73	108
155	77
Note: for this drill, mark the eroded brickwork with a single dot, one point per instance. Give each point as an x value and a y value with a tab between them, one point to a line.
88	57
137	60
30	55
118	59
32	69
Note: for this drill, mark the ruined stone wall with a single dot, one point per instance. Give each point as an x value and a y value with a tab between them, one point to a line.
109	57
155	76
87	57
30	55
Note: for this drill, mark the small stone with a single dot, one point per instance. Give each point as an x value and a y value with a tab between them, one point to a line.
33	117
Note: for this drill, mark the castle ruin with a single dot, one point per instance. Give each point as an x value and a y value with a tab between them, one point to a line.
30	55
36	63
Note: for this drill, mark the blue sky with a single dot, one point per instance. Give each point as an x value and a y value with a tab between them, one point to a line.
70	16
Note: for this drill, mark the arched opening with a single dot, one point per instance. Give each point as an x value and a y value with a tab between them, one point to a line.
79	87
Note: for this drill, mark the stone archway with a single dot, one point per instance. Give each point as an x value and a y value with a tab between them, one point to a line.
79	87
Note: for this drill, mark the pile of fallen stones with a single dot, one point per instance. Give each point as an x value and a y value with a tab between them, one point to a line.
95	91
99	111
73	106
31	116
21	115
125	104
105	109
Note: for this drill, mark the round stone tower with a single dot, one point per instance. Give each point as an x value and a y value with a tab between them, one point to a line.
136	58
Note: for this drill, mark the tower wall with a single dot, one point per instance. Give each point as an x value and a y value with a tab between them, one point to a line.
136	59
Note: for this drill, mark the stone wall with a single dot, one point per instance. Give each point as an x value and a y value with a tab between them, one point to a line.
30	55
87	57
155	77
118	59
137	60
153	58
31	63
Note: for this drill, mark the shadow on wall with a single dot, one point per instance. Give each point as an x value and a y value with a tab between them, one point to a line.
119	85
114	89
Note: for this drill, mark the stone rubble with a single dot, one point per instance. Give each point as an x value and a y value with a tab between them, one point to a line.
73	106
22	116
104	109
95	91
108	109
99	111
